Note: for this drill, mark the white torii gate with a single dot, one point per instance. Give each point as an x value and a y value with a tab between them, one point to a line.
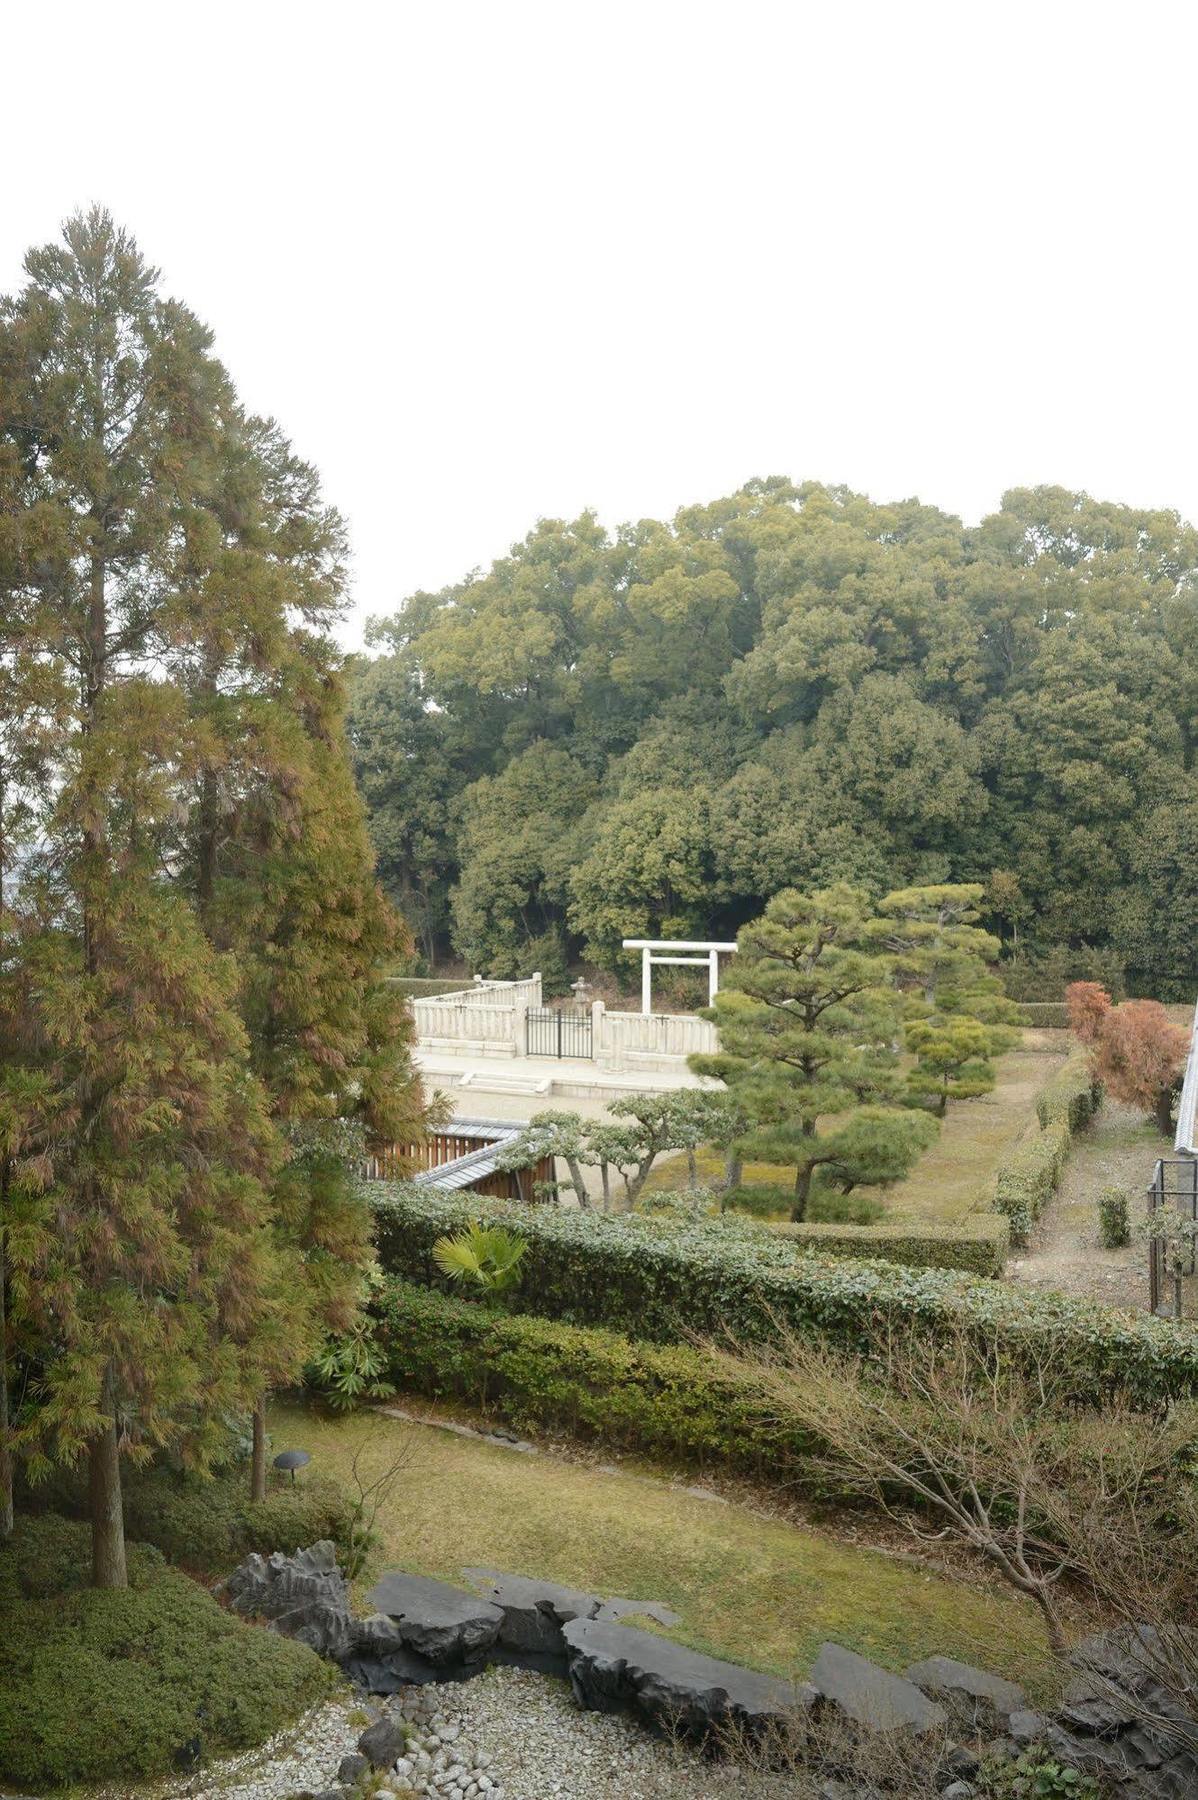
650	949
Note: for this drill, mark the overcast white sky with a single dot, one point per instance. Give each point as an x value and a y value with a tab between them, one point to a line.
487	262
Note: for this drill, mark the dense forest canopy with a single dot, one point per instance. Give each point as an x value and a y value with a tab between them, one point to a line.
648	733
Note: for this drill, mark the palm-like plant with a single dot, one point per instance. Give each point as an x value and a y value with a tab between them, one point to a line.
484	1256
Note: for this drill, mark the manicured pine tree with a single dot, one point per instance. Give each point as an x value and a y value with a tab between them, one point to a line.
157	1300
957	1016
808	1018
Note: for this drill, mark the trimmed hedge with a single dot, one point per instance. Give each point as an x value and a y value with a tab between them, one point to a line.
587	1270
1049	1015
1028	1181
975	1245
409	1220
1072	1094
664	1400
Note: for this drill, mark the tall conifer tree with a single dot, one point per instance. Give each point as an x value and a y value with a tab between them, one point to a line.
172	566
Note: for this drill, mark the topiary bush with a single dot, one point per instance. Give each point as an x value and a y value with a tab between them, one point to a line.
1114	1227
109	1686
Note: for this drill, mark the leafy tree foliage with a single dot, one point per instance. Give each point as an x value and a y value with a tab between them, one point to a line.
795	686
1138	1054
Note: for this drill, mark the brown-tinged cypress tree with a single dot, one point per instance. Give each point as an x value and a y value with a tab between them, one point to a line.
155	1296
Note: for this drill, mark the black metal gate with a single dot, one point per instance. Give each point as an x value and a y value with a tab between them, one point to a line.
559	1031
1172	1237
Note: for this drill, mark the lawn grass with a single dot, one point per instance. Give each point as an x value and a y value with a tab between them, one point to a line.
756	1591
956	1175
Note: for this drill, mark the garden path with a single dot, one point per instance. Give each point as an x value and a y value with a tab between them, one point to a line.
1118	1150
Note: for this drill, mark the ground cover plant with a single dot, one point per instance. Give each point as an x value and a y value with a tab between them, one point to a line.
753	1589
113	1685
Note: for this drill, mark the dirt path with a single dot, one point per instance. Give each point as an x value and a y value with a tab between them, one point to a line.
1117	1151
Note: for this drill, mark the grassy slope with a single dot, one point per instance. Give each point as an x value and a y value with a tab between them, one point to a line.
956	1176
761	1592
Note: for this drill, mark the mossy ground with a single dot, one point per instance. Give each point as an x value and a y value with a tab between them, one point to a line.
756	1590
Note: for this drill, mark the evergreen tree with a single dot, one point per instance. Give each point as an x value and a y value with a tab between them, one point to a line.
171	568
957	1016
808	1018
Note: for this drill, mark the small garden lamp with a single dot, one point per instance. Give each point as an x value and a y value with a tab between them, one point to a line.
292	1460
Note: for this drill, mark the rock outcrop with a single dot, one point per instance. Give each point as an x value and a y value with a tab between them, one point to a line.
613	1665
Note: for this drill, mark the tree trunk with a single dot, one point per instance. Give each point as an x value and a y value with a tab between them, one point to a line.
579	1181
258	1459
1164	1110
798	1211
6	1508
605	1178
734	1170
108	1518
692	1170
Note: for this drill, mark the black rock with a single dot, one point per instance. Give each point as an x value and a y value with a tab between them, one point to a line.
442	1623
389	1674
962	1763
304	1596
533	1611
973	1695
384	1742
871	1696
614	1665
352	1768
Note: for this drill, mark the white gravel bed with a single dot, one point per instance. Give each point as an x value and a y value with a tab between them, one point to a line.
506	1735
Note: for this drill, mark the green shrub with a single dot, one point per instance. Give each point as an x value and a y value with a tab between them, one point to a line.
664	1400
208	1522
108	1686
1034	1776
588	1270
1114	1227
1027	1182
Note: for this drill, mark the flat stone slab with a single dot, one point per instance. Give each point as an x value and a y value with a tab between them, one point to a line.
943	1676
615	1610
613	1666
533	1611
871	1696
441	1623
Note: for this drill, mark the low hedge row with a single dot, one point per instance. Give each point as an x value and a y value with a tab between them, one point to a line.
664	1400
585	1269
1030	1178
1049	1015
976	1245
1072	1094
